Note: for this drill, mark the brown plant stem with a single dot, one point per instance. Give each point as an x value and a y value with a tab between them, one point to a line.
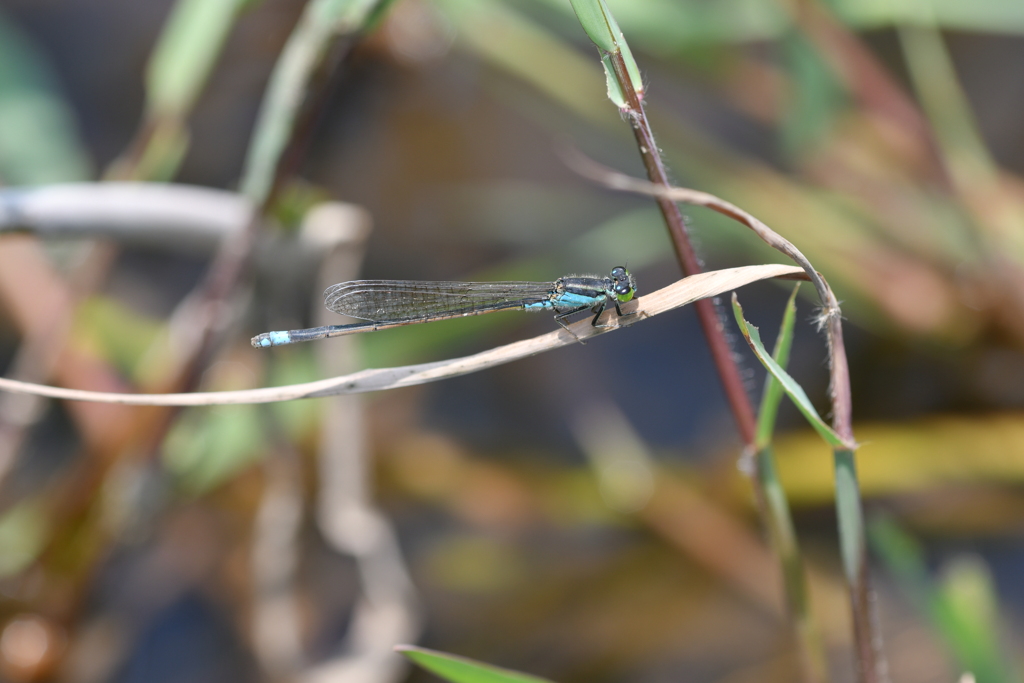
711	323
870	658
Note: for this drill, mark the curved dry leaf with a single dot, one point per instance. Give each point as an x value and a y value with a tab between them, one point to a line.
678	294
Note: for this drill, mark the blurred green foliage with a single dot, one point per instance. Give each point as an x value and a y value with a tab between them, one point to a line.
961	605
462	670
208	446
186	52
910	217
121	335
38	138
23	532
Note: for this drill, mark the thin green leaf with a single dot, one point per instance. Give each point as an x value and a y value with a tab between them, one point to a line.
999	16
778	519
849	512
594	18
772	389
794	390
321	22
615	93
631	66
666	27
600	25
968	593
462	670
189	45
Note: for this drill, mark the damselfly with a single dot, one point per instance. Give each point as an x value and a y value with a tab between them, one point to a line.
391	303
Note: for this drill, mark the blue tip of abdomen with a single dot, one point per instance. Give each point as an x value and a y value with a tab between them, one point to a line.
277	338
262	341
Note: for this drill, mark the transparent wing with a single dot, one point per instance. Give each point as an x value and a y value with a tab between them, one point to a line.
410	300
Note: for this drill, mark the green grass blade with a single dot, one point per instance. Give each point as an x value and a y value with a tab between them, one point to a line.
596	21
789	385
849	512
775	506
600	26
772	388
462	670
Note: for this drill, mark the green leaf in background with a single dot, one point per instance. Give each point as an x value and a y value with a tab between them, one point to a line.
179	67
23	532
794	390
161	156
294	200
818	97
998	16
322	21
38	139
962	606
294	366
667	27
208	446
462	670
186	52
121	335
969	595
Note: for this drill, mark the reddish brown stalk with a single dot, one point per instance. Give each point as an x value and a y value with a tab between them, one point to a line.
869	654
710	321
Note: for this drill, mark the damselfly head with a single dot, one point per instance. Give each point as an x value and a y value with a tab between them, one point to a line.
625	284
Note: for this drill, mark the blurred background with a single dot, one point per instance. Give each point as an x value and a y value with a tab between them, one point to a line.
583	515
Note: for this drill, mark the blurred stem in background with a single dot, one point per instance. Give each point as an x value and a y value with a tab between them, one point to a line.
75	540
178	70
985	191
180	67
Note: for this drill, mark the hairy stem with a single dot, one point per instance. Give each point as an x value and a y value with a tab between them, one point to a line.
710	320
